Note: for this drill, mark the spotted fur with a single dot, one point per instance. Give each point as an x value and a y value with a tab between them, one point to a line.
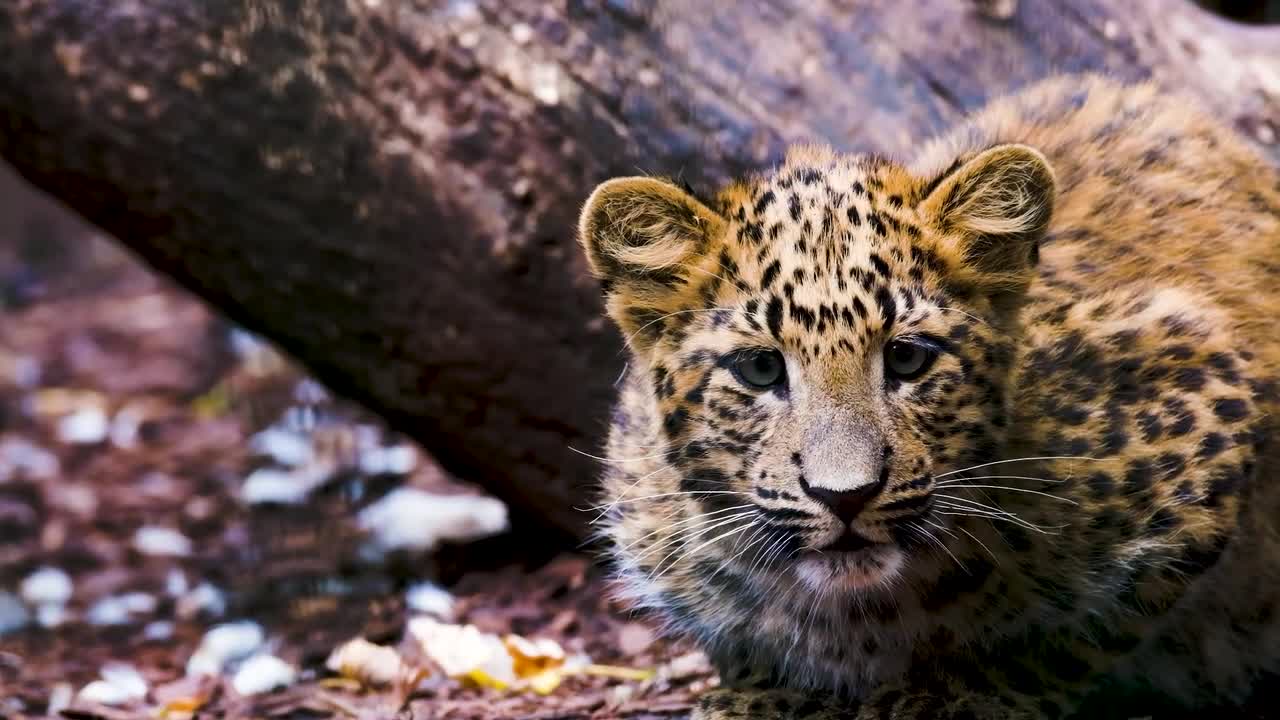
1097	268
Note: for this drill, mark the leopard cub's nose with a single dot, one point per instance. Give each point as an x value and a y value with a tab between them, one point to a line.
845	504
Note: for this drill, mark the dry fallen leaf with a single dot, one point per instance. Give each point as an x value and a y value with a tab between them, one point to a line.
533	656
463	652
366	662
182	707
513	662
617	673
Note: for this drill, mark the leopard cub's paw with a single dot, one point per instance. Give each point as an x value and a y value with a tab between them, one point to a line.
724	704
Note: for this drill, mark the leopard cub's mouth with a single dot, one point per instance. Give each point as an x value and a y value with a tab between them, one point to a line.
850	562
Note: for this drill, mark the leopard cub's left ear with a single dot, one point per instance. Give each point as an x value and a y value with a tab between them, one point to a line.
992	210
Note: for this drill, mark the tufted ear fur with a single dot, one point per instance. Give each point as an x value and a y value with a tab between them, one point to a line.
644	238
991	211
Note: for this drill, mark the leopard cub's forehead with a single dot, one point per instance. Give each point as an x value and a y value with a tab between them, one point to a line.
828	245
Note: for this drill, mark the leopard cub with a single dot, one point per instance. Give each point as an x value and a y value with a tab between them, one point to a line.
986	434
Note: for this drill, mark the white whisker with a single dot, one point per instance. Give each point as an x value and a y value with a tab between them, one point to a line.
606	506
945	483
1051	496
676	561
1022	459
701	516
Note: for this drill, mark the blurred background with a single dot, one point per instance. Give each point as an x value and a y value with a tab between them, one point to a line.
166	476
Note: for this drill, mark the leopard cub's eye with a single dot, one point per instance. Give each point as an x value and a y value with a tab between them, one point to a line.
759	368
906	360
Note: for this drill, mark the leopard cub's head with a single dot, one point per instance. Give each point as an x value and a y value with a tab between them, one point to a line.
808	353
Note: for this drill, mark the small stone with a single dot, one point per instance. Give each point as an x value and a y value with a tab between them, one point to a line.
125	676
13	614
51	616
120	684
685	666
158	630
635	638
310	392
431	599
546	84
86	426
103	693
202	663
412	519
139	93
139	603
21	371
60	698
110	610
225	644
285	447
21	458
125	425
521	33
394	460
161	541
77	498
204	598
47	586
263	673
175	583
269	485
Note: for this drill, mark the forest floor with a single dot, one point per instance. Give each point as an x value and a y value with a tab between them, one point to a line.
130	419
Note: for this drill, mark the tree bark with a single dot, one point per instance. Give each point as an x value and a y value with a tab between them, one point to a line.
388	188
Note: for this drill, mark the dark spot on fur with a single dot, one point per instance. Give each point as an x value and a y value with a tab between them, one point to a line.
1231	409
888	308
1137	476
877	225
1100	485
1210	445
675	421
957	583
764	201
1163	521
1190	379
773	315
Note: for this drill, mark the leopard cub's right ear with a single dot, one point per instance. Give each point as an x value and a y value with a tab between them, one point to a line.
634	226
643	237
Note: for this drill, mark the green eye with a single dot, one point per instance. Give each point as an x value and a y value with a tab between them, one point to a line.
904	360
759	368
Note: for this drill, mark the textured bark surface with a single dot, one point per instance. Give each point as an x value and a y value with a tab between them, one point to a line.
388	188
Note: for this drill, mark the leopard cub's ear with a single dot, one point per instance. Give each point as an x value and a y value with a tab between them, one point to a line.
990	212
644	238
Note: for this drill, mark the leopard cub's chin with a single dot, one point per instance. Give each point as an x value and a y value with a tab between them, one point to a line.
828	571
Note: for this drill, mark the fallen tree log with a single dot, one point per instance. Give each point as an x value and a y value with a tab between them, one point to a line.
387	188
